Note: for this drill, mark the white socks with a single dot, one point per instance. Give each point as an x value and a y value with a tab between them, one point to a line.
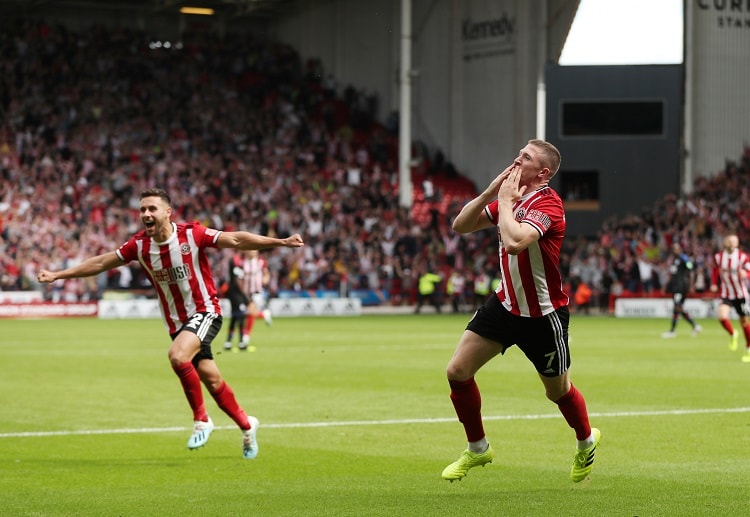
588	442
479	447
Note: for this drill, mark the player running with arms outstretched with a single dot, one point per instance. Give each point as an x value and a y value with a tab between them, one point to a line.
174	260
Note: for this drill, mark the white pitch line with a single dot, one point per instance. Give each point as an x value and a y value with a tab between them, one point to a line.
301	425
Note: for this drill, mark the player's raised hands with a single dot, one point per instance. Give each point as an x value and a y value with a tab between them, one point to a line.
510	188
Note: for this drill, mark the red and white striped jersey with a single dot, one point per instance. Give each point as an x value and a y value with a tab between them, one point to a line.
178	269
731	268
530	282
252	280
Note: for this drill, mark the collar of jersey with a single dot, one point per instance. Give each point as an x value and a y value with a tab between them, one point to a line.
170	238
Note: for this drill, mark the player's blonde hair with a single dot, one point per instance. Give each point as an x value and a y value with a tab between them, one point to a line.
550	155
731	240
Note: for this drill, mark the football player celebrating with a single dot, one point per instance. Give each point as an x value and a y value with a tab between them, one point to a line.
174	260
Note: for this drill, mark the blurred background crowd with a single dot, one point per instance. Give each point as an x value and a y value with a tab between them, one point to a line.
245	135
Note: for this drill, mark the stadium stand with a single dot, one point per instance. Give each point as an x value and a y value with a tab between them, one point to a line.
245	135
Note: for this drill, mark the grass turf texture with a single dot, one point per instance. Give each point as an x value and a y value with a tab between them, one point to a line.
356	420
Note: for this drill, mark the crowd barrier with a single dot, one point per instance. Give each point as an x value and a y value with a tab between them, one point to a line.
120	305
125	305
662	307
34	310
292	307
367	297
280	308
20	297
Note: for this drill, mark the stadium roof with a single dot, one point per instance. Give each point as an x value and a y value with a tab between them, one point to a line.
256	9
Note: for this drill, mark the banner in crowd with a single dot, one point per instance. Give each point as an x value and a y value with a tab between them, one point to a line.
48	310
368	297
485	77
280	308
662	307
21	297
291	307
129	309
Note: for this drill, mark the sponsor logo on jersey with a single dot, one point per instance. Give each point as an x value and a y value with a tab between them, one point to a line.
540	218
172	275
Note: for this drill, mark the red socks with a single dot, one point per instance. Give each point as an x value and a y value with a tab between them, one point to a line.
573	408
727	325
225	399
224	396
191	384
468	405
746	330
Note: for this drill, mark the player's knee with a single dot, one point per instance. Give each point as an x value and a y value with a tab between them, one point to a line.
554	395
454	372
176	357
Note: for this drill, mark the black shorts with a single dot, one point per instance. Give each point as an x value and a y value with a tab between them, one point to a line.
239	303
206	326
679	298
543	340
738	304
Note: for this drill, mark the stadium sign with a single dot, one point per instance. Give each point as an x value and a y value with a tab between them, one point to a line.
662	307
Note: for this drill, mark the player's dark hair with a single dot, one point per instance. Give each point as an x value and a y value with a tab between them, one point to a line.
157	192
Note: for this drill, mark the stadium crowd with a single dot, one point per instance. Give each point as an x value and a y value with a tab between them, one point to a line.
245	135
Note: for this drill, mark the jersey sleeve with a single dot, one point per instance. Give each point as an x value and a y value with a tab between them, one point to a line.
128	251
205	237
715	271
492	211
544	213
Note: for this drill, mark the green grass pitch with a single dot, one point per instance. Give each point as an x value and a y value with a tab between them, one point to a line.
356	421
